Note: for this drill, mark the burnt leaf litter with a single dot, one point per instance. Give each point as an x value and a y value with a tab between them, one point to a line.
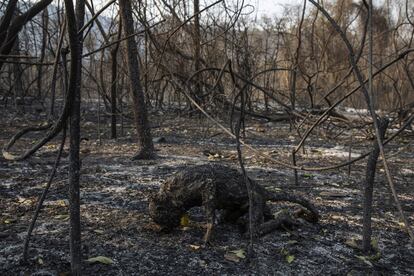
118	237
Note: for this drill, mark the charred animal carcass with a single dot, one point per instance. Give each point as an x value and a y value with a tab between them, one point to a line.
218	187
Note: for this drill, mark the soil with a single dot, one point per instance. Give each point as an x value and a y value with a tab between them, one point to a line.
114	193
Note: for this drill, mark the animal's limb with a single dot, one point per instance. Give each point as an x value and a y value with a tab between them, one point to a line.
208	197
282	219
279	196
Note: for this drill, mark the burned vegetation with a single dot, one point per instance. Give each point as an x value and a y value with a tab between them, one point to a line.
212	138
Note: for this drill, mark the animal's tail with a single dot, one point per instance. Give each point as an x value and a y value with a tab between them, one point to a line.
313	215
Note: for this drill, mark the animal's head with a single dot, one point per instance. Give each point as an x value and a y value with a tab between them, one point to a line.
164	213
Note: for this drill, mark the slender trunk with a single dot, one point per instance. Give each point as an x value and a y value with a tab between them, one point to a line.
369	188
18	83
54	74
121	106
146	56
65	84
114	82
45	23
265	78
296	61
146	148
197	50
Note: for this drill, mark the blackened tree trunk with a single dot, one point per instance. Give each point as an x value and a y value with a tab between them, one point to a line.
369	188
75	40
6	19
45	25
18	80
54	73
114	82
197	51
295	68
8	36
146	147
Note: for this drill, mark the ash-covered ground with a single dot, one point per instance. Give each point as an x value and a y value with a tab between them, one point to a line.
115	190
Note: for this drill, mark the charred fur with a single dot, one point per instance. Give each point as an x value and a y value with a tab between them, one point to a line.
218	187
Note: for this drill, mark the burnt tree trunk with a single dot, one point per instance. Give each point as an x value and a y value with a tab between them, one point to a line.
114	82
18	79
369	188
45	25
75	22
295	68
6	19
197	51
145	145
54	73
8	37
